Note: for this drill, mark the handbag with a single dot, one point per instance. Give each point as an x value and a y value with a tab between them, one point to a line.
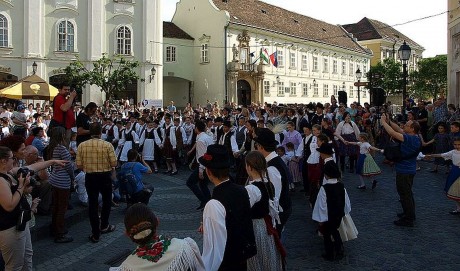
347	229
25	214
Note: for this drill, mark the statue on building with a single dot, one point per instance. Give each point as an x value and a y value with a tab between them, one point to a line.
235	53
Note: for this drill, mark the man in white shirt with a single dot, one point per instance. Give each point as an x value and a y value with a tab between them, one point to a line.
228	235
198	180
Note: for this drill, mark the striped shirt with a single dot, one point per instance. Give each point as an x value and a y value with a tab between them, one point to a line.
96	155
62	177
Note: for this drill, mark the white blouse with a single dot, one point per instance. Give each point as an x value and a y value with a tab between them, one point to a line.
314	156
453	155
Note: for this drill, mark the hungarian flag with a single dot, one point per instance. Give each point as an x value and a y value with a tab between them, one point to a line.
264	55
274	59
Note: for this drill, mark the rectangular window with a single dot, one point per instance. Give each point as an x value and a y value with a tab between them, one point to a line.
171	54
325	90
315	90
344	67
335	89
326	65
364	70
292	62
280	59
281	89
304	62
350	93
305	89
244	56
334	66
315	63
266	88
293	87
204	53
351	71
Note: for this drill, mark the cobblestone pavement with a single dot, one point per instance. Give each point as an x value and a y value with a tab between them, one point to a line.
433	244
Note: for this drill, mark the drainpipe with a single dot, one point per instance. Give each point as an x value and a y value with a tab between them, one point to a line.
225	64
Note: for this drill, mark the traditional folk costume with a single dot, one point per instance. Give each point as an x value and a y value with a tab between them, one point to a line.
181	139
169	142
165	254
452	187
147	142
304	151
331	206
126	143
294	168
314	170
270	251
349	131
366	166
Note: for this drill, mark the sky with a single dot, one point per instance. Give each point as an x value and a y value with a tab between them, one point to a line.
430	33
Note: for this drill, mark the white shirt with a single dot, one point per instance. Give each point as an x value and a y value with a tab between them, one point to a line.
275	177
320	213
364	147
453	155
232	141
300	149
347	129
314	155
203	140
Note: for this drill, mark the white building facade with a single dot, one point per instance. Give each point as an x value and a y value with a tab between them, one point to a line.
315	60
52	33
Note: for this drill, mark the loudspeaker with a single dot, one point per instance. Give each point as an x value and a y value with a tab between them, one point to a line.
378	97
342	97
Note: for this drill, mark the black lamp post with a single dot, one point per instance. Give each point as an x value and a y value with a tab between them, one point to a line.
152	74
404	55
358	77
34	68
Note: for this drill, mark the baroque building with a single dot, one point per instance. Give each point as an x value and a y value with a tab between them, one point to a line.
52	33
234	40
453	52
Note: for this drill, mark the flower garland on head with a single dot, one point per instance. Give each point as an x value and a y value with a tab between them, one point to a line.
154	250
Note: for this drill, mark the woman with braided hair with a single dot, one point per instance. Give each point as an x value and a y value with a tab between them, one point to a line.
157	252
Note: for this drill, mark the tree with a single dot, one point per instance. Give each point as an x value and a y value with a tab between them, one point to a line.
391	76
430	78
110	74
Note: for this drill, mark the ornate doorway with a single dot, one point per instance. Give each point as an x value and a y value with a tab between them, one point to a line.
243	92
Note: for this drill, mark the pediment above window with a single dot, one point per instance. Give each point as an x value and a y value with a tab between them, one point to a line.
66	4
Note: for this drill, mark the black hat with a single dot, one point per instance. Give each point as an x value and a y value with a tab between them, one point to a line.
326	149
216	157
219	119
332	170
266	138
227	123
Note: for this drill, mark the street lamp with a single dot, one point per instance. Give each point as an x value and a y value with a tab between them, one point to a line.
152	74
358	77
404	55
34	68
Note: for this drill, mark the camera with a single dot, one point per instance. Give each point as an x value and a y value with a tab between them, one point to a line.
23	172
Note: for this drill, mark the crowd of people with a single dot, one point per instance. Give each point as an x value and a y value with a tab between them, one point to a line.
255	156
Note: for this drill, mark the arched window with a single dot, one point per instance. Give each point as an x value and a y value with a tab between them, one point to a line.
3	31
66	36
124	40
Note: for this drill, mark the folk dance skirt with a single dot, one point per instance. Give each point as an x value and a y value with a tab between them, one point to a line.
268	256
148	151
452	187
295	171
168	152
366	166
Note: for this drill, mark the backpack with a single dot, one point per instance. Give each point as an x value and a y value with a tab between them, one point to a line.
127	181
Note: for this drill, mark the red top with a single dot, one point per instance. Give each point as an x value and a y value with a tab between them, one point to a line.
29	140
58	114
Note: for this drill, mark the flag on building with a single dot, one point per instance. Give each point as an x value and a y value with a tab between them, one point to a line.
264	55
274	59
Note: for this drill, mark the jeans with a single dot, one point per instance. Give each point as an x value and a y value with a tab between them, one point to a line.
404	184
199	187
60	203
96	183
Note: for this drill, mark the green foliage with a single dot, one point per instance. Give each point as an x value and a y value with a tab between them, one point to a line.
110	74
391	76
430	79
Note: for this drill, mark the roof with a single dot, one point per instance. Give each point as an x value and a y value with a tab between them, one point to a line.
369	29
170	30
261	15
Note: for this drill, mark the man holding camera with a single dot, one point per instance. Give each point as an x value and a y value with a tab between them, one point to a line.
63	114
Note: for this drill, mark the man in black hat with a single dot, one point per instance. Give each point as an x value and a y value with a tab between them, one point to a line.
228	140
277	172
217	129
228	235
330	207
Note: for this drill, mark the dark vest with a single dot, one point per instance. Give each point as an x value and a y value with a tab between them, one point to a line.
219	133
150	135
240	234
335	198
240	136
228	142
285	198
159	133
260	209
306	149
